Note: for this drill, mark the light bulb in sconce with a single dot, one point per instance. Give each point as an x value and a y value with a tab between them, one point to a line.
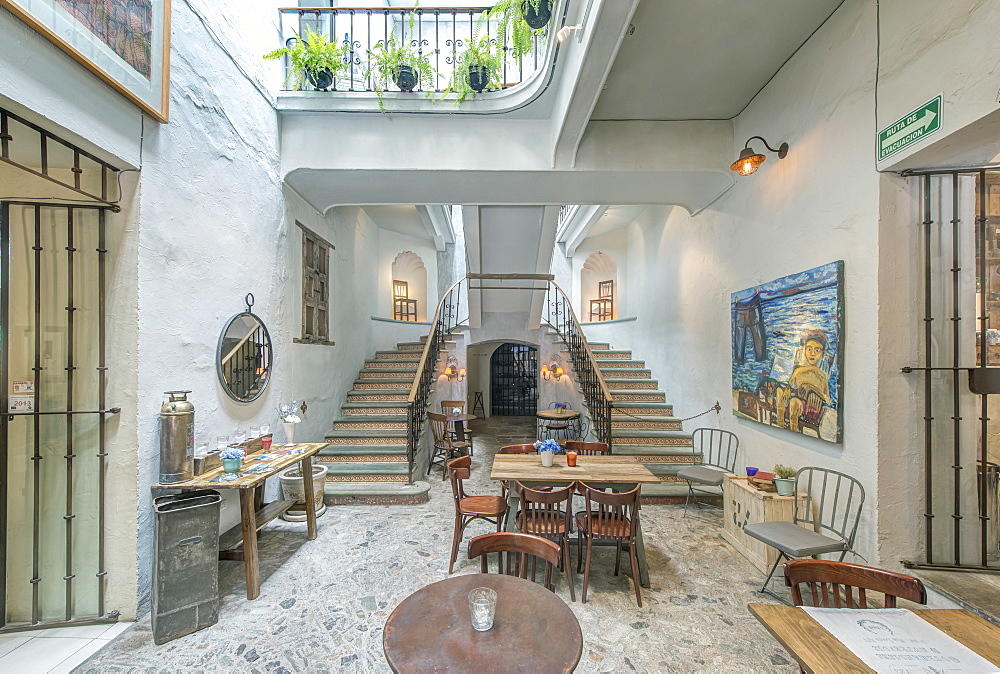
558	373
545	372
461	374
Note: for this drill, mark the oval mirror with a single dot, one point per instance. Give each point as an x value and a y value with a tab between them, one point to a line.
244	356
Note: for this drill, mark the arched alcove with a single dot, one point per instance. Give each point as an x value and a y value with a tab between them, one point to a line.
409	287
598	301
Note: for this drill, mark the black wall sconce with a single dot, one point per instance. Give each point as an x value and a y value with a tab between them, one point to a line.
749	160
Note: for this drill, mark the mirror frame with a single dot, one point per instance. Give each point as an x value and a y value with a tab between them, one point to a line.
269	355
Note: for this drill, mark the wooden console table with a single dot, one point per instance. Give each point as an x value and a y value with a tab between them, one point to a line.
744	504
255	470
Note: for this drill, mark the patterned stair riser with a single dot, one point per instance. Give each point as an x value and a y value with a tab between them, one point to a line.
632	385
388	374
621	364
664	410
381	356
404	366
613	355
377	397
652	441
639	397
616	374
370	425
382	385
333	439
646	425
374	411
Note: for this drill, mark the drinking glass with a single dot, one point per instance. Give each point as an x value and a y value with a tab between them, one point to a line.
221	441
265	429
240	437
571	459
254	432
482	605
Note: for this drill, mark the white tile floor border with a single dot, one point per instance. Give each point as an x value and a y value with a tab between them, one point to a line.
56	650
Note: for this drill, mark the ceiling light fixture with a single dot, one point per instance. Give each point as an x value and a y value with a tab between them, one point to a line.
564	32
749	160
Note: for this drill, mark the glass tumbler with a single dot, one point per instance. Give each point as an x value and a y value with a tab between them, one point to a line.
482	605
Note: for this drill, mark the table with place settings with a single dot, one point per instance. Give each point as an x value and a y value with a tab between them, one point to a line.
255	470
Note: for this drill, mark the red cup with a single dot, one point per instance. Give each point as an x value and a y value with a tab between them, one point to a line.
571	459
265	443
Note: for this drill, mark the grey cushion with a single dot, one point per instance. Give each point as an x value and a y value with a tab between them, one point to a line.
702	475
792	539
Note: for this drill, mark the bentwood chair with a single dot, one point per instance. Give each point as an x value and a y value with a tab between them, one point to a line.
825	578
445	449
515	553
470	508
609	516
450	407
714	454
587	448
828	502
548	514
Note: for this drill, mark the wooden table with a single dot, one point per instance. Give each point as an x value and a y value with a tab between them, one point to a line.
275	459
621	473
533	629
816	650
569	416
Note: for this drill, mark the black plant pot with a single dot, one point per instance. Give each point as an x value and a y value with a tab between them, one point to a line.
537	18
320	79
405	78
479	77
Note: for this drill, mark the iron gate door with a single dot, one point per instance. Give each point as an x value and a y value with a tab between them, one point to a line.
514	381
53	379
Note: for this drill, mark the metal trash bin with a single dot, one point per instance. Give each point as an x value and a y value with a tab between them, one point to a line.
185	564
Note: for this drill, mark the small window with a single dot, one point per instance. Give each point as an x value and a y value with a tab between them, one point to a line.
315	288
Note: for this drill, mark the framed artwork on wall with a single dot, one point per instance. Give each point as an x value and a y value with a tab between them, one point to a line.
788	352
126	43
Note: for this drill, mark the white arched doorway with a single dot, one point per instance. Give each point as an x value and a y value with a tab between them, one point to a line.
409	287
599	288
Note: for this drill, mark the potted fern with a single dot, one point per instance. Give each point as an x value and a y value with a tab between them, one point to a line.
315	59
521	22
784	480
391	62
478	68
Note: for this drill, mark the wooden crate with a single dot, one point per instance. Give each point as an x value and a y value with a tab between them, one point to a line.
744	505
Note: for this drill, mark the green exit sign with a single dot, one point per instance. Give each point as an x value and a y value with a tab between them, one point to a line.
910	129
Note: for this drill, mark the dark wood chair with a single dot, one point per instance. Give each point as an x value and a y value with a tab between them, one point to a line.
470	508
832	584
515	553
445	449
549	514
518	449
587	448
609	516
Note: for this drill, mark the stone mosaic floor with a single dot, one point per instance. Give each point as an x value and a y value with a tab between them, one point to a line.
323	603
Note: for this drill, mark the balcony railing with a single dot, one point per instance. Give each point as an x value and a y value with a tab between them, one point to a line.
439	34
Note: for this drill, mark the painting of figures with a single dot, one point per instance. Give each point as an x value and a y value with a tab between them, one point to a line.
788	352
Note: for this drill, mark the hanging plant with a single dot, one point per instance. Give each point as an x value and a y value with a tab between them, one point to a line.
400	64
315	59
477	68
520	23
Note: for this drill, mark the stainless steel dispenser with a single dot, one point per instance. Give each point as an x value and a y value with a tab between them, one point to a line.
176	438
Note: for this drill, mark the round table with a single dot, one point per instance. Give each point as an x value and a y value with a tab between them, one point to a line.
533	629
545	419
458	423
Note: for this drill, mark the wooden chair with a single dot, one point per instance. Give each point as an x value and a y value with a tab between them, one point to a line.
549	514
469	508
587	448
608	516
527	448
825	579
445	449
519	551
450	407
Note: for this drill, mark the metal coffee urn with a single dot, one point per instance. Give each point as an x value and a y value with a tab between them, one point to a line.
176	438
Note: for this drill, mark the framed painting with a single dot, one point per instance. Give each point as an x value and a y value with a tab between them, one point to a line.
788	352
126	43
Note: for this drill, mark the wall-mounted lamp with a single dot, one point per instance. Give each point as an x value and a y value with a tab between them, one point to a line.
564	32
552	370
453	371
750	160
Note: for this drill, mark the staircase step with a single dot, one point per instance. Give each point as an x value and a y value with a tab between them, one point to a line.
397	355
642	397
620	422
391	375
358	492
607	364
369	465
364	450
388	409
625	373
401	364
658	441
608	354
383	384
357	397
368	436
628	384
370	422
643	409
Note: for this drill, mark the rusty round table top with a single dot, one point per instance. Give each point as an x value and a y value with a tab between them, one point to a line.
533	629
557	414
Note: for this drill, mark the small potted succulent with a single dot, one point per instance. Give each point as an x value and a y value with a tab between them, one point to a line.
784	480
289	415
232	459
315	59
547	449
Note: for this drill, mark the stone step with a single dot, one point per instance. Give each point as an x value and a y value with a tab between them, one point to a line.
599	346
383	385
364	450
363	437
397	355
615	354
359	397
375	492
375	408
667	442
641	409
392	375
631	385
607	364
369	465
640	397
621	422
370	422
403	365
625	373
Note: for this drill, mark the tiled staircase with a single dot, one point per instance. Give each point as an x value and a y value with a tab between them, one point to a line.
366	455
642	422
